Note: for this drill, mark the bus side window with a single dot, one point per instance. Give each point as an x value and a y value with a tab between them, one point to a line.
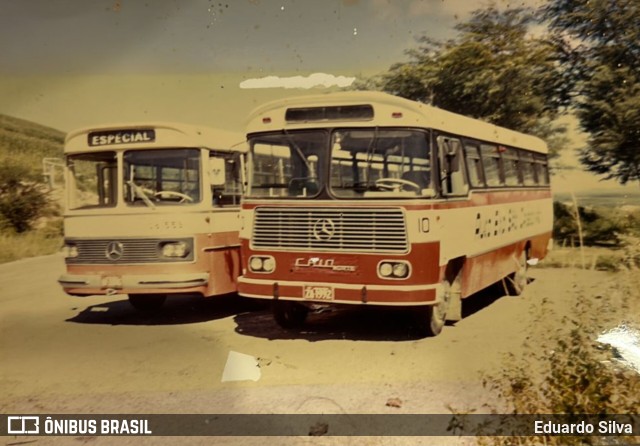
528	169
491	164
474	166
511	165
453	178
225	179
541	169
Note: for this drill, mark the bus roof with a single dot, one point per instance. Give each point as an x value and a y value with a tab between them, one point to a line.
372	108
149	135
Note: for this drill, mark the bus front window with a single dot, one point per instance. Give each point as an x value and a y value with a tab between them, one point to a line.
287	164
92	180
374	163
162	177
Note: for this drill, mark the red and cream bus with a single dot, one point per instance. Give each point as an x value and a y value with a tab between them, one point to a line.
365	198
152	209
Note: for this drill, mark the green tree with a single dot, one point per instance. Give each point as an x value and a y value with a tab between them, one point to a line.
22	197
494	70
599	43
600	226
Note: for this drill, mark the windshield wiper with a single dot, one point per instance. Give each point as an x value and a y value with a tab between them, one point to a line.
370	152
139	192
300	153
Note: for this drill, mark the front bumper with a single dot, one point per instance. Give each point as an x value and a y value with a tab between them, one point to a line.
105	284
341	293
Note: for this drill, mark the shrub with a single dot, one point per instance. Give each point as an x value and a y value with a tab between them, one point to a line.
567	371
28	244
599	225
23	199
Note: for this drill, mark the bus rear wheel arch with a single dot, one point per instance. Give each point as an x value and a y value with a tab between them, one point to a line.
430	320
147	302
516	282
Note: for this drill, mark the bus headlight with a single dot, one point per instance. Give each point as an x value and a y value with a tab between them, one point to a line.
70	251
394	269
269	264
262	264
385	269
400	270
175	249
255	264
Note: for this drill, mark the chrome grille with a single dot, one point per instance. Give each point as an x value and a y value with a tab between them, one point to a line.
94	251
353	230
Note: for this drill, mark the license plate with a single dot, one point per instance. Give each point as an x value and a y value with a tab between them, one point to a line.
111	282
317	293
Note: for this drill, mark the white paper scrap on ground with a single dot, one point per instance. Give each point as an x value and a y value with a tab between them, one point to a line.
240	367
627	341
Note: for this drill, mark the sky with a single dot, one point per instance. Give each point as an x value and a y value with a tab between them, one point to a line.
198	36
68	64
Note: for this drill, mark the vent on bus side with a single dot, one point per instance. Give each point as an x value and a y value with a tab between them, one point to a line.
342	230
336	113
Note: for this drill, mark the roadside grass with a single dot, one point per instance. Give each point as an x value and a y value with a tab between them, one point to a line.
595	257
563	369
38	242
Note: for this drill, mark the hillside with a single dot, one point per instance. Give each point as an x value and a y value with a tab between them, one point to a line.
27	143
614	198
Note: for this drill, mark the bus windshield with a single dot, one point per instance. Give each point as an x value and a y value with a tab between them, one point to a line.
93	180
288	164
380	162
161	177
364	163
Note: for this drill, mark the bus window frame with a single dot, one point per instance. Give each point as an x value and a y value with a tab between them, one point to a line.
442	139
159	177
475	145
431	146
262	138
113	181
511	154
540	163
217	197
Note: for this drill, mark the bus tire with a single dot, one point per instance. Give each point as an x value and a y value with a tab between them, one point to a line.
289	314
147	302
516	282
429	321
454	308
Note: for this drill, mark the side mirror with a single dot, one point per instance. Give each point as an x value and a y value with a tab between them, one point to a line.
453	162
452	156
217	175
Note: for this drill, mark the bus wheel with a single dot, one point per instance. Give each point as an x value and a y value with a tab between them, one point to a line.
147	302
430	319
517	281
289	314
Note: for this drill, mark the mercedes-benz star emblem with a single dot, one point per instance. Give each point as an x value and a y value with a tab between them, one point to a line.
114	250
324	229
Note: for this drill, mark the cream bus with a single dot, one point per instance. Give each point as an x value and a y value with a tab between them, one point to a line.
152	210
363	198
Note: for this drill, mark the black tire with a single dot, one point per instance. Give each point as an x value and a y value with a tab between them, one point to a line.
516	282
289	314
147	302
430	319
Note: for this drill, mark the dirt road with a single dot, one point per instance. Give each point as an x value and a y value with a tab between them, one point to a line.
63	354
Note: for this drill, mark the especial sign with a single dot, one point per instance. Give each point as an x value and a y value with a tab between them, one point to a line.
109	137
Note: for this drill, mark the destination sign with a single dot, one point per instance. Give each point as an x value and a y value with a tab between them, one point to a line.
109	137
